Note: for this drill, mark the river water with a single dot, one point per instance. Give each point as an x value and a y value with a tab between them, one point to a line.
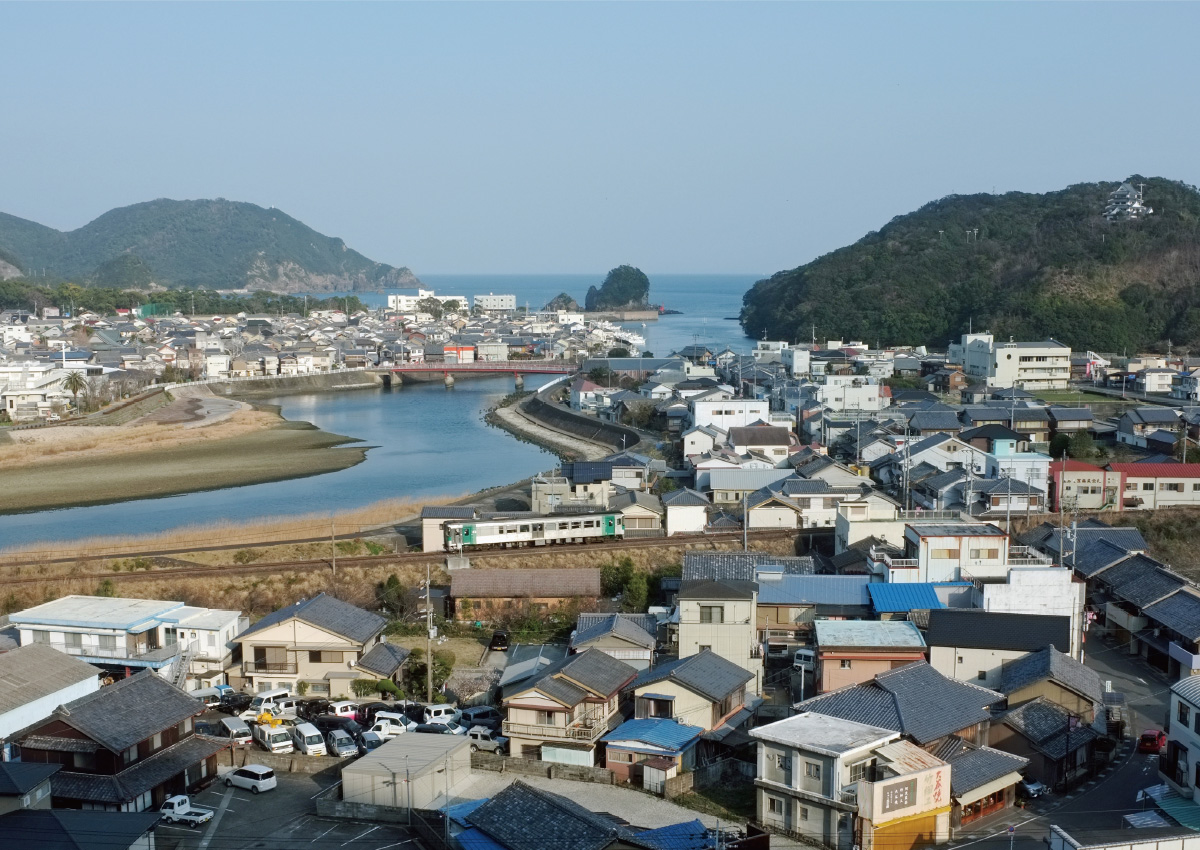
428	441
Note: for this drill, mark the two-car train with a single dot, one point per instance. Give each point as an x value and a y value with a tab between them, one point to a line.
509	532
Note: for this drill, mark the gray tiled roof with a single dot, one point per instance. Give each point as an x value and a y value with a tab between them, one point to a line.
615	624
740	566
646	622
1096	556
969	627
19	777
973	767
707	673
326	612
138	778
121	715
384	659
549	583
36	671
73	829
447	512
1142	581
685	498
1045	726
56	744
570	680
1049	663
915	700
1179	611
525	818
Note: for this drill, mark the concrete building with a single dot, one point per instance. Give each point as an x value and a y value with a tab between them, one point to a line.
492	303
973	646
1049	591
730	413
187	645
1148	486
720	615
1027	365
850	652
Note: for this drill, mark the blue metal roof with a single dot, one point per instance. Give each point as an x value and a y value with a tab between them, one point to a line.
658	732
692	835
895	598
476	839
459	811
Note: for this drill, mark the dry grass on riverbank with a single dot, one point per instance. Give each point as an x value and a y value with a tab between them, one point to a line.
271	531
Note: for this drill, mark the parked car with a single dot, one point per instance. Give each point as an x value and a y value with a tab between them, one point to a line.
233	728
372	740
313	707
805	659
1152	741
499	641
450	728
308	740
482	739
1032	788
389	724
253	777
343	708
328	722
340	744
273	739
482	715
211	697
234	703
367	711
180	809
442	714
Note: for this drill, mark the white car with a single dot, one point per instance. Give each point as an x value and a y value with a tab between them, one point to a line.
255	777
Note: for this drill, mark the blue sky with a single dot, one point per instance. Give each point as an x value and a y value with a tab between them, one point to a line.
571	137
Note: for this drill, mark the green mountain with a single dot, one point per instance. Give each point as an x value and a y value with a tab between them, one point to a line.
214	244
1033	266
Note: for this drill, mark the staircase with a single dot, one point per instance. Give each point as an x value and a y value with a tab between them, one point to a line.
180	667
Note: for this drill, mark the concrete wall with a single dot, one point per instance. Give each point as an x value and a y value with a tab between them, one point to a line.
945	659
1041	590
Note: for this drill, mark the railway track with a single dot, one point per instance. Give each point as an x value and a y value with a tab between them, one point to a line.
414	558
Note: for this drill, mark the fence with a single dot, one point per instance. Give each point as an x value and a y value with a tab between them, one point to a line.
711	774
549	769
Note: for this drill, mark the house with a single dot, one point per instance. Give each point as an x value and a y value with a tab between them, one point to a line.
126	747
950	551
1058	745
190	646
1135	425
25	785
769	441
628	637
788	605
843	783
37	680
1079	486
1148	486
729	413
62	829
1054	676
703	690
486	594
1180	762
318	641
641	512
686	511
974	646
634	744
851	652
983	780
562	714
720	615
731	486
384	661
916	701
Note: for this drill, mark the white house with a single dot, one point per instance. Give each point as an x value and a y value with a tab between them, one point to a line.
730	413
687	511
38	680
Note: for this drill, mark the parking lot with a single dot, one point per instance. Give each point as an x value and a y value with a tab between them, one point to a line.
282	819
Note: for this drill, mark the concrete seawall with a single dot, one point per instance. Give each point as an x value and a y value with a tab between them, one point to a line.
324	382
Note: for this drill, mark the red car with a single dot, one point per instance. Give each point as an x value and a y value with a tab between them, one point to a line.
1152	741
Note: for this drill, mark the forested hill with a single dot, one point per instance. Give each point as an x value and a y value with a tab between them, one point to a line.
215	244
1033	266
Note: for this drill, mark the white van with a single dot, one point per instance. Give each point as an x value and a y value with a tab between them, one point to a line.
308	740
442	714
235	729
805	659
343	708
267	701
273	739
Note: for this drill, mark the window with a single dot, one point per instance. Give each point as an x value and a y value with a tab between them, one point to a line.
185	727
324	656
982	675
812	770
1129	487
705	646
212	640
1197	726
960	659
1184	712
156	741
545	718
73	641
129	755
944	554
990	554
1171	486
40	636
803	813
712	614
1196	488
859	771
108	642
620	757
1148	486
775	805
845	664
783	761
83	761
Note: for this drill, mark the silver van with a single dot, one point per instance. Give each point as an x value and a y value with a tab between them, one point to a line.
268	701
235	729
308	740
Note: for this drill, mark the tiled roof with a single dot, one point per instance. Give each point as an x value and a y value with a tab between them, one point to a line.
894	598
447	512
657	731
326	612
646	622
57	744
570	680
140	777
74	829
1048	728
706	673
614	624
914	699
685	498
121	715
525	818
973	767
1049	663
19	777
690	835
1096	555
969	627
740	566
1141	580
549	583
1179	611
384	659
36	671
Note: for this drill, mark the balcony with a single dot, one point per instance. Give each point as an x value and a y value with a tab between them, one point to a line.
271	667
585	731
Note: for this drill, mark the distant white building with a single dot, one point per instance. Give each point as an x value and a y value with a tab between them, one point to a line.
495	303
1126	204
1027	365
730	413
406	302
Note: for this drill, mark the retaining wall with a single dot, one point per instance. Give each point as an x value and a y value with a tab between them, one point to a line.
584	427
282	762
549	769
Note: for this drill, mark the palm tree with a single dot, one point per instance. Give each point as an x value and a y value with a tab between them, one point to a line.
74	383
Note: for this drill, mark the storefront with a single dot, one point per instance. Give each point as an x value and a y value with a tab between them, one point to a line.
981	808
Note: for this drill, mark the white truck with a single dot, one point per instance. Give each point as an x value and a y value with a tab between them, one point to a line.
180	809
482	738
273	739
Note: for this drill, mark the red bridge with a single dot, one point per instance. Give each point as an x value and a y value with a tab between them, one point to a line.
500	367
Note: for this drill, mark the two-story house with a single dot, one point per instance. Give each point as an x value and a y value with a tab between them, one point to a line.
842	783
562	714
317	641
25	785
189	646
127	747
720	615
850	652
628	637
1180	763
38	679
974	646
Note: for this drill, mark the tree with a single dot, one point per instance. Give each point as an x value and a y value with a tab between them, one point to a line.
431	306
452	306
1059	444
364	687
1082	445
600	375
636	593
618	352
615	575
74	383
106	588
392	595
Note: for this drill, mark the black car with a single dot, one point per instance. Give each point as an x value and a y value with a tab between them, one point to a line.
313	707
326	723
435	729
499	641
366	713
234	703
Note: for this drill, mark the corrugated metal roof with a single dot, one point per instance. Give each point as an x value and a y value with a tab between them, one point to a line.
1157	470
656	731
894	598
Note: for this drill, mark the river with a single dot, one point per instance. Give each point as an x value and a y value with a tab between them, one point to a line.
428	441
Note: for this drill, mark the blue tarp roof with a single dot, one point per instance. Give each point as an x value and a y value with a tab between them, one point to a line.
895	598
459	811
692	835
657	731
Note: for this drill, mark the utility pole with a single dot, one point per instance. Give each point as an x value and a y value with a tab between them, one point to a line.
745	524
332	547
428	635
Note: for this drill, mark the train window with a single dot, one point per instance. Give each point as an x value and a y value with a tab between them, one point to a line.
524	529
575	524
591	523
551	526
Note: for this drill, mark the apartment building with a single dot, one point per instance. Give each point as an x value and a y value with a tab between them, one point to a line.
1147	486
1029	366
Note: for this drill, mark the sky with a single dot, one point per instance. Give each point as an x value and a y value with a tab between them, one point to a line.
573	137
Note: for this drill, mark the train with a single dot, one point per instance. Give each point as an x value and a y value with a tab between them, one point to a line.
509	532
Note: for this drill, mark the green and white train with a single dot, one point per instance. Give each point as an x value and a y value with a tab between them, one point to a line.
539	531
